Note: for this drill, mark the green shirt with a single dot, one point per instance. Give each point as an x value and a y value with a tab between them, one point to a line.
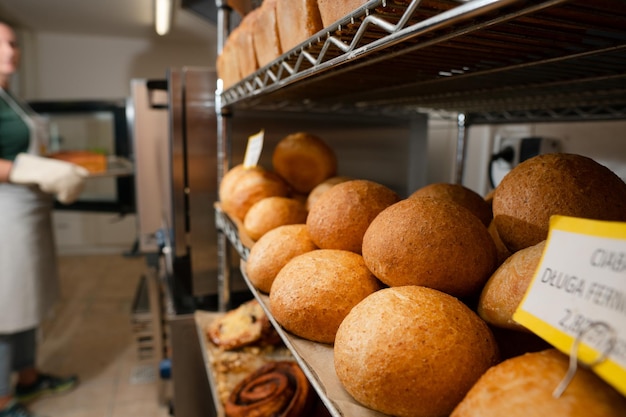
14	132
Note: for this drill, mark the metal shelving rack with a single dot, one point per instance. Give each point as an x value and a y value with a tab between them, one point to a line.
479	61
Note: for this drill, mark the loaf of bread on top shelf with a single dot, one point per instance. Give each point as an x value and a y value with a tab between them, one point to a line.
244	45
298	20
238	57
265	34
227	65
333	10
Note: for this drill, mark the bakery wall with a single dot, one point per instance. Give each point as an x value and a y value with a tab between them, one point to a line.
58	66
604	141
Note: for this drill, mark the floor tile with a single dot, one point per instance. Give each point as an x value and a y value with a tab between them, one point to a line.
91	335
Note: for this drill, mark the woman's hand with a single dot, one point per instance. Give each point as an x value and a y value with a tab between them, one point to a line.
63	179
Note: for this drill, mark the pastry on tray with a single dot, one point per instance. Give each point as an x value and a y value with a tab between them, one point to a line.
276	389
242	326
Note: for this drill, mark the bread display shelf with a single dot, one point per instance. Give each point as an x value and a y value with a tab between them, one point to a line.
232	229
316	361
498	60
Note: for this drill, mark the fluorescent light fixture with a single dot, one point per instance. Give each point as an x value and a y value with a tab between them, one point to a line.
163	16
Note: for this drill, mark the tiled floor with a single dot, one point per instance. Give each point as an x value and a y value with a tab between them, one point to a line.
91	336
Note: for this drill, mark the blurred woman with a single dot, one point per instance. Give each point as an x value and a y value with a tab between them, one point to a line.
28	268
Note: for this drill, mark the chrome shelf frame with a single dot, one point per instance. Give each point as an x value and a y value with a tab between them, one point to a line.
479	61
479	56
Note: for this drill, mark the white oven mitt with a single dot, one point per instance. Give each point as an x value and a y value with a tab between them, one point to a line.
63	179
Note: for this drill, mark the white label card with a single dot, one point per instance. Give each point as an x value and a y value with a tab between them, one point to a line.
578	294
253	150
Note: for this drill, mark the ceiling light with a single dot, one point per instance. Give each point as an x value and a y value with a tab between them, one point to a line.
163	12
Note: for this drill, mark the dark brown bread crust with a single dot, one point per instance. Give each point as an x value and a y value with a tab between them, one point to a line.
430	242
558	183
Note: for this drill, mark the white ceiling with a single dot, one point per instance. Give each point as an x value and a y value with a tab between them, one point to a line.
129	18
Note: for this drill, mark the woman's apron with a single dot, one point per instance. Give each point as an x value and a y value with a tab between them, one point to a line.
28	264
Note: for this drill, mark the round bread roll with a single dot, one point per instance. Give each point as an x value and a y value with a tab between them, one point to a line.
228	183
523	386
505	289
313	293
242	187
431	242
322	187
271	212
459	194
304	161
555	183
412	351
273	250
340	216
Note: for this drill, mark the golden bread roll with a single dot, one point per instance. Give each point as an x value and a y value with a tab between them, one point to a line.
459	194
322	187
304	161
412	351
242	187
523	386
273	250
555	183
298	20
265	34
505	289
271	212
431	242
313	293
340	216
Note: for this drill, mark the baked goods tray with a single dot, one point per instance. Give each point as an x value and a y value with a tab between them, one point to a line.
116	167
317	362
243	361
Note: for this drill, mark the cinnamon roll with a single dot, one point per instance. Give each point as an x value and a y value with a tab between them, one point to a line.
276	389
